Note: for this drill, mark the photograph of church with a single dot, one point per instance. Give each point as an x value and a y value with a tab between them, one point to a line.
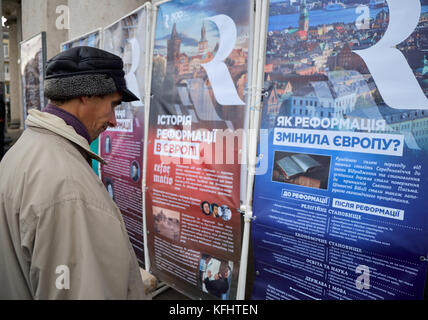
179	78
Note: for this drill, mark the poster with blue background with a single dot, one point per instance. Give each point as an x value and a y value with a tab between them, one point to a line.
341	210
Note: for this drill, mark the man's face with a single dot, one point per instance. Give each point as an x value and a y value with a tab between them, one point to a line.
97	113
206	208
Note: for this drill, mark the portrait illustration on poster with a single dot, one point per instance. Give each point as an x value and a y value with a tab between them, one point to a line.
197	113
341	210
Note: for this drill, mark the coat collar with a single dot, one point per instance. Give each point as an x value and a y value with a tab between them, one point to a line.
58	126
69	119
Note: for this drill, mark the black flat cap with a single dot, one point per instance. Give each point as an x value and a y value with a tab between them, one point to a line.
85	71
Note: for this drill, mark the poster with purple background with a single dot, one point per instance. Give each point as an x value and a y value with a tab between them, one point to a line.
123	146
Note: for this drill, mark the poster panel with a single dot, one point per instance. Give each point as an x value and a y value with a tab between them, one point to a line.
340	210
199	79
92	39
122	146
33	60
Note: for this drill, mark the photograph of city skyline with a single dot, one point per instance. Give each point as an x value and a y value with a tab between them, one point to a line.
312	70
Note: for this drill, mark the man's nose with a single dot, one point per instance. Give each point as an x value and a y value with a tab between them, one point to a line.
112	121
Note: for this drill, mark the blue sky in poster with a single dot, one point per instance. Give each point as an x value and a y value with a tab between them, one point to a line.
320	17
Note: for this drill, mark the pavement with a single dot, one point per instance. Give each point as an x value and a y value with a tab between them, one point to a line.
168	293
171	294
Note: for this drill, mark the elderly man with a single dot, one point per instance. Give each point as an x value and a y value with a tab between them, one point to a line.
61	234
2	123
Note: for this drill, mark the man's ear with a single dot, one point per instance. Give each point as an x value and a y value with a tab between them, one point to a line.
85	99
